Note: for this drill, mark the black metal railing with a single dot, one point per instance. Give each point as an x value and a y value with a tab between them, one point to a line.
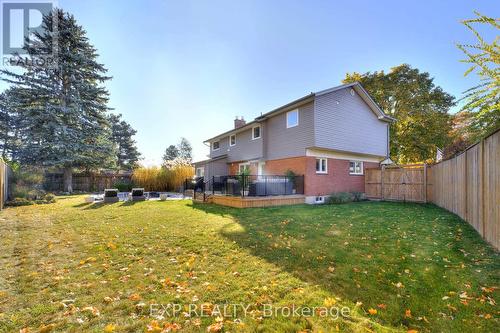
247	185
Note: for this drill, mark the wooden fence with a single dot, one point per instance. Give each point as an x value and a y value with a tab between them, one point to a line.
5	174
85	182
398	183
467	185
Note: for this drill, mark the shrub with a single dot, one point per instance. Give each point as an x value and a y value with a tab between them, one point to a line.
344	197
162	179
27	183
17	202
340	198
358	196
123	185
49	198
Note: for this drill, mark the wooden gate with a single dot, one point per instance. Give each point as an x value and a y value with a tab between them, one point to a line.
397	183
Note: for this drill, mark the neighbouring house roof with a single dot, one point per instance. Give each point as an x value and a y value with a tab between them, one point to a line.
381	115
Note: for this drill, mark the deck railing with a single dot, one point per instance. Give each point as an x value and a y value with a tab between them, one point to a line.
247	185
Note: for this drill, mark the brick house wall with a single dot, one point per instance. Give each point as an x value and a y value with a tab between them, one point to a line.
337	179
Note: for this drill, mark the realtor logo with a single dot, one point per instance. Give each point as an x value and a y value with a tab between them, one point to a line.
20	20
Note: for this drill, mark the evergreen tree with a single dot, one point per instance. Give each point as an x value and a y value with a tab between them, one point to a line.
63	106
11	122
122	133
419	107
185	150
171	153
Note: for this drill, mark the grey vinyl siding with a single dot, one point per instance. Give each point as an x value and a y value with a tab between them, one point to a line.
345	122
245	148
214	168
282	142
223	145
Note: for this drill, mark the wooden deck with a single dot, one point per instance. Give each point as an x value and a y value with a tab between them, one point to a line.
249	202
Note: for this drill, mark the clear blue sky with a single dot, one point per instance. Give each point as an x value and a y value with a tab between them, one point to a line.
187	68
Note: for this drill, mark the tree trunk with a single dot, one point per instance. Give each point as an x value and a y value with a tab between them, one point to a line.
68	180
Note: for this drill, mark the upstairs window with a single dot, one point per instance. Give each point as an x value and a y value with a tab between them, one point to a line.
292	118
232	140
256	132
355	168
215	145
321	165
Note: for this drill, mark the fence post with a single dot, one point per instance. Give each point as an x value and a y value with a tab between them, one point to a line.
265	186
481	170
425	182
382	182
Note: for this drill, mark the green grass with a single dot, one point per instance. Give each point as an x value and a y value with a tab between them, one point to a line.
74	267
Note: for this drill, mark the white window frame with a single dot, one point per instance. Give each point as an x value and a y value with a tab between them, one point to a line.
202	173
288	123
253	132
322	172
246	165
361	167
213	144
232	144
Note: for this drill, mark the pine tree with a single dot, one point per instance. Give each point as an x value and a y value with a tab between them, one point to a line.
127	153
11	121
64	106
171	153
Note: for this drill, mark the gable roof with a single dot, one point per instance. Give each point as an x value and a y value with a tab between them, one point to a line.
381	115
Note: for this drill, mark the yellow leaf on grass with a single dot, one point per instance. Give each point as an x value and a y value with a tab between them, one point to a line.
111	246
331	269
46	328
372	311
109	328
217	327
134	297
408	313
412	331
329	302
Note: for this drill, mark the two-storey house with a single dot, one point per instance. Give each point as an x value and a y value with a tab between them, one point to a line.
330	137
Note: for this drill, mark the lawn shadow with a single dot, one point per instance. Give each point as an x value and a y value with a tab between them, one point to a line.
96	205
359	251
83	204
129	203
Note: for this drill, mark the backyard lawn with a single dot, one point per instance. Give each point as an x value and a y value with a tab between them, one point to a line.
71	266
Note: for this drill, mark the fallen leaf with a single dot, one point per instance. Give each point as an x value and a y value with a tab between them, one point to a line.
46	328
217	327
408	313
372	311
329	302
109	328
